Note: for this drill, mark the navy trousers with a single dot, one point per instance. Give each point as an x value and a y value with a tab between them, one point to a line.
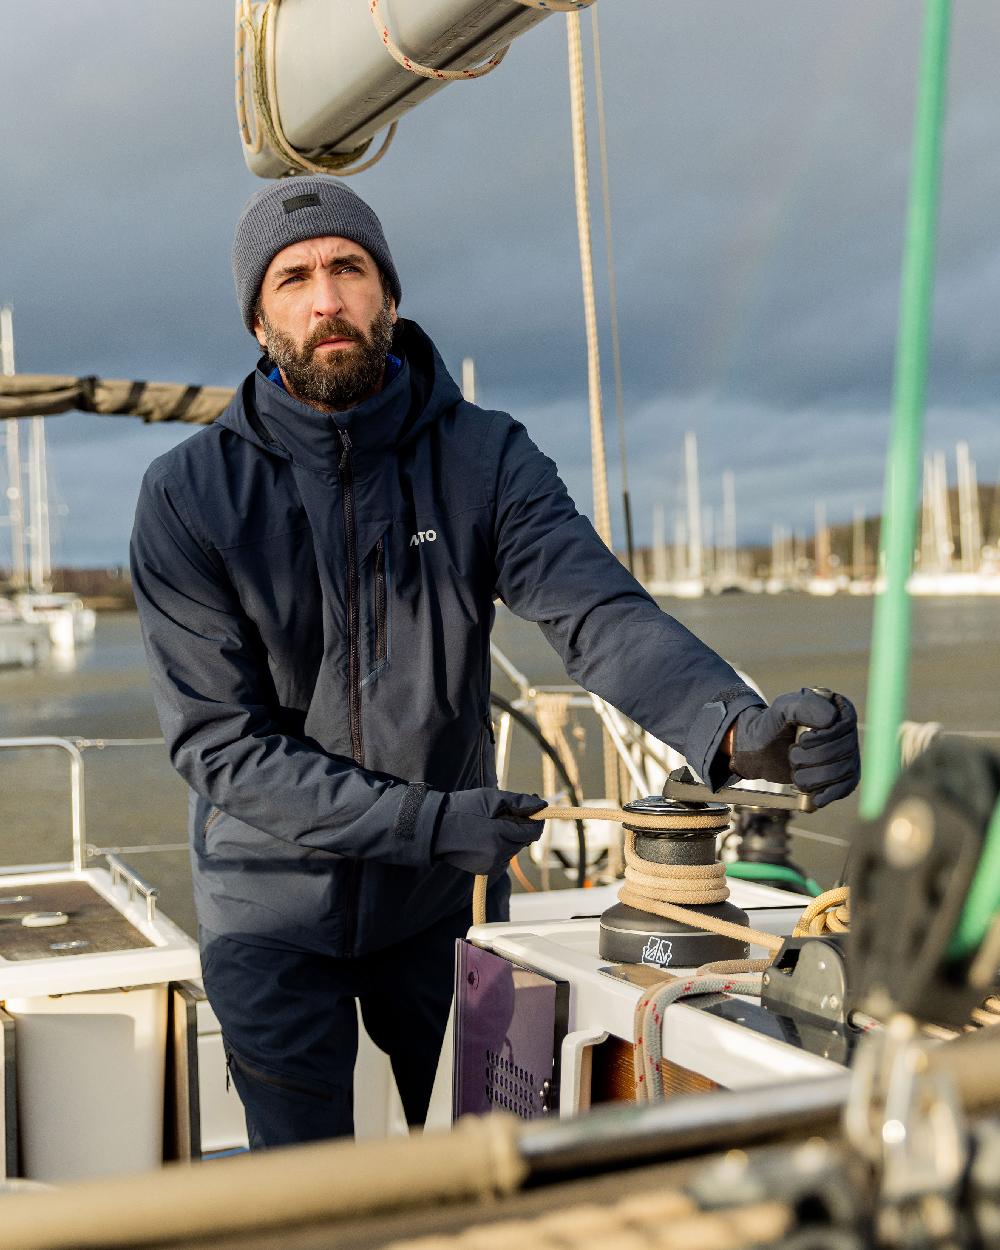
289	1024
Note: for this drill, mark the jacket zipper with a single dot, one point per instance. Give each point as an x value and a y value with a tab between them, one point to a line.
353	667
380	631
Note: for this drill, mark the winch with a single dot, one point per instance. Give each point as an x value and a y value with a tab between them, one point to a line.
673	865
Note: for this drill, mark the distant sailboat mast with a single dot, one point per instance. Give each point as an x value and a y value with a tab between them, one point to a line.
968	509
859	556
469	380
661	572
942	513
695	556
729	523
822	548
15	497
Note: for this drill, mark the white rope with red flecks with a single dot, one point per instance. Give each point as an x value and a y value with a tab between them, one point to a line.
476	71
647	1049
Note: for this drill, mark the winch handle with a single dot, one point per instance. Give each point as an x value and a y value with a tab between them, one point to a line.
823	693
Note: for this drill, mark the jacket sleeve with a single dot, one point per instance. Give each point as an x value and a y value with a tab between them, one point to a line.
613	638
216	705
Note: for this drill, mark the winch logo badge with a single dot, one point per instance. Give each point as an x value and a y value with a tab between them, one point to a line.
423	536
657	951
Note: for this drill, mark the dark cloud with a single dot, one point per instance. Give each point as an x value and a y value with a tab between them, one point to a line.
759	159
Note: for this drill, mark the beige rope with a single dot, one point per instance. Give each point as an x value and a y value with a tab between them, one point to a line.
676	883
655	1220
641	820
645	886
826	914
638	820
614	790
244	28
552	714
711	924
602	514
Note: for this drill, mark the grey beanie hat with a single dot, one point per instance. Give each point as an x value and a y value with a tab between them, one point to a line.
294	209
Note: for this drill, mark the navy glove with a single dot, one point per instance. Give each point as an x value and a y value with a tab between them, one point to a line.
825	762
482	830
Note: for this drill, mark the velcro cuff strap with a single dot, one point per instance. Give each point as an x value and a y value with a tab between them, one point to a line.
409	809
709	728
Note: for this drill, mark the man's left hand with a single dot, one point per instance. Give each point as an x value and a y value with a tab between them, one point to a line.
825	762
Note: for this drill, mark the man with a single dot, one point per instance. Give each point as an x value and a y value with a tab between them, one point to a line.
315	576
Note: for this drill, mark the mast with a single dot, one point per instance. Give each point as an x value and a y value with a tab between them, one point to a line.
822	543
928	559
943	540
660	571
469	380
859	557
680	545
729	523
709	541
15	498
693	505
968	509
39	554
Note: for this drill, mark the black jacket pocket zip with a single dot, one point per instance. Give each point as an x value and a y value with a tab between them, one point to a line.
279	1082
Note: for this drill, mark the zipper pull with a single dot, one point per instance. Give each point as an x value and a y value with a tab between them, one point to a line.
345	454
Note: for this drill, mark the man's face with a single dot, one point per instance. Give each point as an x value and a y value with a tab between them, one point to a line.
326	322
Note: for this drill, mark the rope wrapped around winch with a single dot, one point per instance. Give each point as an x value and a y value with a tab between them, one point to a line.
640	893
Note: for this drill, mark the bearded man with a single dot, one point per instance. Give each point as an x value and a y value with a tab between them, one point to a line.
316	576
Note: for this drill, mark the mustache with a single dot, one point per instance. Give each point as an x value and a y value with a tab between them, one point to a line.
335	328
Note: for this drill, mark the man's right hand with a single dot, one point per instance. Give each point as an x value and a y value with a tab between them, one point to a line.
482	830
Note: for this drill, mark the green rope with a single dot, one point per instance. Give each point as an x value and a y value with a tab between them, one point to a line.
745	871
891	634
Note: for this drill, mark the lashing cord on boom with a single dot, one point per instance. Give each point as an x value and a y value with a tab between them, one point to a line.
256	34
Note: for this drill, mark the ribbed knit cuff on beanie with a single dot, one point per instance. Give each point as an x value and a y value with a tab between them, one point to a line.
294	209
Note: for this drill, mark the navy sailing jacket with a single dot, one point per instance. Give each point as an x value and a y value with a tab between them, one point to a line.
316	595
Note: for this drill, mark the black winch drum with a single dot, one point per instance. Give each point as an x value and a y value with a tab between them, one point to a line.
630	936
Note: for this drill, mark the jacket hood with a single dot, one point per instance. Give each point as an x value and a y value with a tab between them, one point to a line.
265	414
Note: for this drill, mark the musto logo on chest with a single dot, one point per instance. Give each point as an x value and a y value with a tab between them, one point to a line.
423	536
657	951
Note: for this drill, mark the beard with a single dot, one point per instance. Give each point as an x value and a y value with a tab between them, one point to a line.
338	379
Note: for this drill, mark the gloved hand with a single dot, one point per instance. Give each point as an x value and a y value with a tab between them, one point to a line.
480	830
825	762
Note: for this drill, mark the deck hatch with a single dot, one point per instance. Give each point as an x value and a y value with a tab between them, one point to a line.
94	927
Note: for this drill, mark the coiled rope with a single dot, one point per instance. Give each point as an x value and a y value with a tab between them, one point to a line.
656	1219
255	43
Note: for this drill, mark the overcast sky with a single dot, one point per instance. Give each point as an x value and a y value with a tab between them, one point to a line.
759	159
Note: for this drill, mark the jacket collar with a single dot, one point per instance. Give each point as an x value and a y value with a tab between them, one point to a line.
265	413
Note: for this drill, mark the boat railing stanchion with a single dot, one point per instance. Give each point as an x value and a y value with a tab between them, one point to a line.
77	799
